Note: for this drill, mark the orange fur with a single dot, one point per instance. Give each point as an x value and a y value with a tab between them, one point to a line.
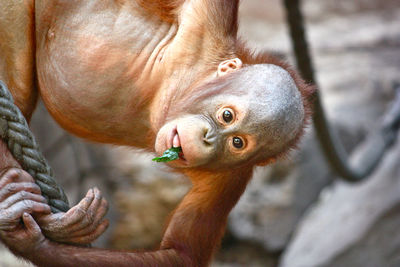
196	227
17	54
165	9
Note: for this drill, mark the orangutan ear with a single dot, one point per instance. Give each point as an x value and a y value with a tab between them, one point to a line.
229	66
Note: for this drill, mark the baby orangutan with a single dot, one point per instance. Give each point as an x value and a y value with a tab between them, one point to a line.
153	75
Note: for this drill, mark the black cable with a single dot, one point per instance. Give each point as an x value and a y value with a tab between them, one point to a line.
376	143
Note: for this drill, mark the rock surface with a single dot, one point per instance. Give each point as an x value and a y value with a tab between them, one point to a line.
277	197
378	247
344	215
144	200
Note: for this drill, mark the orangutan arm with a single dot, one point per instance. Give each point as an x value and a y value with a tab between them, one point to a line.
220	16
206	27
193	233
209	21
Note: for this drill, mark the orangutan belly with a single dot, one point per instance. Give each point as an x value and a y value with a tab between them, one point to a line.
89	68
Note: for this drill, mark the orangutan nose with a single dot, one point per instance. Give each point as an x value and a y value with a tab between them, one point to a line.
210	137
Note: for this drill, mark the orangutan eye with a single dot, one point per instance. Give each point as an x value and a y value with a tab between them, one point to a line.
227	116
237	142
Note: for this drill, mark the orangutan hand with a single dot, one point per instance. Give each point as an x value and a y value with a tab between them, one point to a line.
81	225
19	194
25	238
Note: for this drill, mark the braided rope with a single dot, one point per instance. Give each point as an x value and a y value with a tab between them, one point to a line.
22	144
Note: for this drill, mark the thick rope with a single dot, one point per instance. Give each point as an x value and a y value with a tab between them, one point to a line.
15	132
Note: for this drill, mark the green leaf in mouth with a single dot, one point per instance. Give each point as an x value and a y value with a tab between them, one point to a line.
169	155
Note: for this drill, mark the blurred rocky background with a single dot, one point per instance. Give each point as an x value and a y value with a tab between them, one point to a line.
295	213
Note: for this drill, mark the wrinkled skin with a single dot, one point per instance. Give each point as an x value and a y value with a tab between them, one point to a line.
82	224
19	194
149	74
29	231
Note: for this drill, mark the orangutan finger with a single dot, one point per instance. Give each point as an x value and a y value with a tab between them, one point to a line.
21	196
13	188
31	225
29	206
15	175
78	212
88	238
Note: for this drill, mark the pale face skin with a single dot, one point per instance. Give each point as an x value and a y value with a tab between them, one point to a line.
197	137
232	127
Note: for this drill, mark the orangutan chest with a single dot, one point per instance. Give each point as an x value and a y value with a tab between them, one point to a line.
88	65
